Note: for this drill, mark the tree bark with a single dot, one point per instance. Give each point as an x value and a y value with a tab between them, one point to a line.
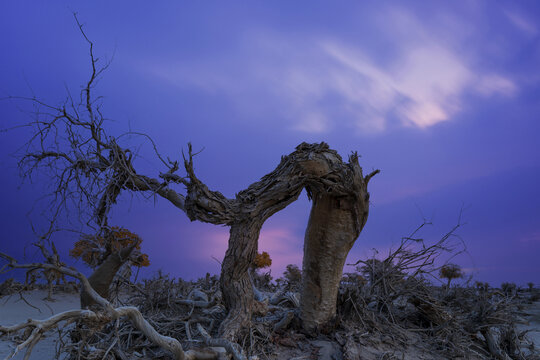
340	207
337	217
102	277
236	283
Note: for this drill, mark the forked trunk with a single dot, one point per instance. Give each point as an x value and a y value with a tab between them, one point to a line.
340	206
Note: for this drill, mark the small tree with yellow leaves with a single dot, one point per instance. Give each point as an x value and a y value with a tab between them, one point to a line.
450	271
94	249
107	254
262	260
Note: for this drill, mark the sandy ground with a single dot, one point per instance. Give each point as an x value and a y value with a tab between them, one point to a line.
533	319
14	310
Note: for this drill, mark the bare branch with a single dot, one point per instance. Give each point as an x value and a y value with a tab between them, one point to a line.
133	313
231	348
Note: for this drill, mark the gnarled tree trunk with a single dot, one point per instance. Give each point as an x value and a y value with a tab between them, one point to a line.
97	167
235	281
337	217
340	207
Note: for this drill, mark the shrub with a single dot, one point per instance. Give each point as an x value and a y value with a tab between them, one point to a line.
450	272
508	288
293	276
94	249
262	260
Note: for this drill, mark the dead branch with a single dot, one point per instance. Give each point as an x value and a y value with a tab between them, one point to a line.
231	348
284	322
110	313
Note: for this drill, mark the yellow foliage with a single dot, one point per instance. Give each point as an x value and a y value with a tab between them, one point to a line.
262	260
450	271
141	261
93	249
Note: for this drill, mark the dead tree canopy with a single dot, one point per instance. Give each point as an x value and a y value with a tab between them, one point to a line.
91	168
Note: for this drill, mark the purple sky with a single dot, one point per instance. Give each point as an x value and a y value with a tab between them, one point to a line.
443	97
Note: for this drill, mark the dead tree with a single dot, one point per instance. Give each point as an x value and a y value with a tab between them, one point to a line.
338	215
92	168
339	212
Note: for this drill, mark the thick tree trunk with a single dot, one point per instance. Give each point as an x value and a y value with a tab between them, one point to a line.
236	283
334	225
329	237
102	277
338	215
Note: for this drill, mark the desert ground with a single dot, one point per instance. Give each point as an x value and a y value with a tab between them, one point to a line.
17	308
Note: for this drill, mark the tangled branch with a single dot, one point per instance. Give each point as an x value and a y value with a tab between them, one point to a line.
106	313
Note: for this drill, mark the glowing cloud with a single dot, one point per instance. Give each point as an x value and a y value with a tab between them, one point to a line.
319	84
284	247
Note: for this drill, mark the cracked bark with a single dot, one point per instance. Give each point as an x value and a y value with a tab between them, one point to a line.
339	212
338	215
102	277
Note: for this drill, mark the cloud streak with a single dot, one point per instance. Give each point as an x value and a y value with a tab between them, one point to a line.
522	23
320	84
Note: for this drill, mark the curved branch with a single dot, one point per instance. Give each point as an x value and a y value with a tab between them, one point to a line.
42	326
203	204
145	183
229	346
170	344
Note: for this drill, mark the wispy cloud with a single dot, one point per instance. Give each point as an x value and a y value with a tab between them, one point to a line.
531	238
522	22
423	86
489	85
319	83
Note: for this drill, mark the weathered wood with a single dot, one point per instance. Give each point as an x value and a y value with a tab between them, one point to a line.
338	214
101	279
340	208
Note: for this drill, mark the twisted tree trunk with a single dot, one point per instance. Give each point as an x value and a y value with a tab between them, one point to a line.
97	167
235	280
339	212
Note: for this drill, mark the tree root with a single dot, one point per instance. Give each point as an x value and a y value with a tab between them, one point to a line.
232	348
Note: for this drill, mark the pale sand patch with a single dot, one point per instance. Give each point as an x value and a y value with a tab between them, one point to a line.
14	310
533	318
